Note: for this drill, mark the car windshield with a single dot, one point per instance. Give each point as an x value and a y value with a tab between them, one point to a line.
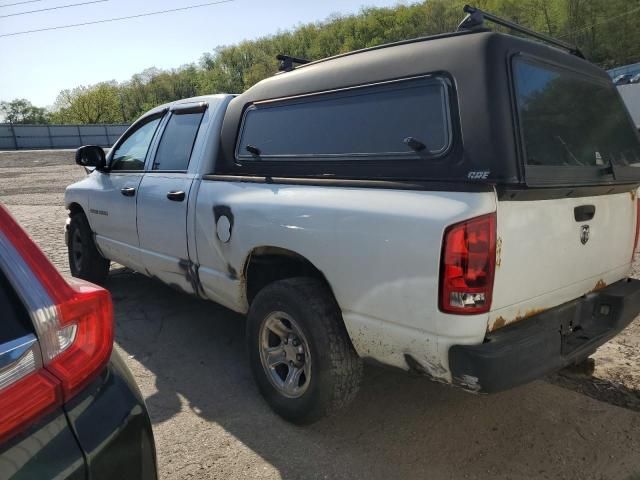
570	120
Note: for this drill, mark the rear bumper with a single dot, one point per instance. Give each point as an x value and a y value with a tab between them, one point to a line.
112	426
103	433
546	342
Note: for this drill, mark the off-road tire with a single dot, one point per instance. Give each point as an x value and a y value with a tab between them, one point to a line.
337	369
91	266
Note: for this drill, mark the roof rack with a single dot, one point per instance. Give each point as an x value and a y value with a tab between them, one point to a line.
475	19
287	62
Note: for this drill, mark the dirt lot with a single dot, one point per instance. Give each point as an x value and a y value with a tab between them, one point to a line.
210	422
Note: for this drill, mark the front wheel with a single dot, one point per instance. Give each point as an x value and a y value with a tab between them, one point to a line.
84	259
300	353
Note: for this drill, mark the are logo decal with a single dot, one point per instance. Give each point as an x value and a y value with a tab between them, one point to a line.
478	174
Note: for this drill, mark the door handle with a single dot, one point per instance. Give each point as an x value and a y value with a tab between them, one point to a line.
584	213
128	191
176	195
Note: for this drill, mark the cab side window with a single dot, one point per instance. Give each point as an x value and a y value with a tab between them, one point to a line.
131	153
178	138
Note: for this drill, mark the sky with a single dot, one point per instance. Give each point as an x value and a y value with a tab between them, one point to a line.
36	66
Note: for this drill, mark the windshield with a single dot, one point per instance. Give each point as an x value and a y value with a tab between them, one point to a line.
571	120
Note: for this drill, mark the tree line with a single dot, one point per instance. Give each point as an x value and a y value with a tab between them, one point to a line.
605	30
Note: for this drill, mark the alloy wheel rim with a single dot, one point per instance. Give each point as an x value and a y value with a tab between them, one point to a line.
285	354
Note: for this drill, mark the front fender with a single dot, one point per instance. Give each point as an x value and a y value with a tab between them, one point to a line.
77	195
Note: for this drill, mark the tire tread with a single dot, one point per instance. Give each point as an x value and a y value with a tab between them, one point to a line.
346	365
343	366
95	267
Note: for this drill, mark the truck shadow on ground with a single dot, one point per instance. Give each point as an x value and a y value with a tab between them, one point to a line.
399	426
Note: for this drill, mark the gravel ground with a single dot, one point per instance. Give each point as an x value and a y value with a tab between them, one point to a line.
210	423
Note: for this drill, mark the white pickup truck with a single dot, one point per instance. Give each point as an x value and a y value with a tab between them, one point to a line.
463	206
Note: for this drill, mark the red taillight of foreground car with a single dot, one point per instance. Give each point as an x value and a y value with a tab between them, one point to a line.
467	266
86	324
27	400
74	330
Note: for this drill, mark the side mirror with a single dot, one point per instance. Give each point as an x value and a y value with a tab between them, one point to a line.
91	156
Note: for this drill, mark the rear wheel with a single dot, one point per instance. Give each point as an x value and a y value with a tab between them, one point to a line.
84	259
300	352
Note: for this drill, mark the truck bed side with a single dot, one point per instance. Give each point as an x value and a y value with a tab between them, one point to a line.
379	251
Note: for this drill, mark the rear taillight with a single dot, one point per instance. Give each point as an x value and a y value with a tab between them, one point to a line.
635	241
85	338
467	266
74	325
27	400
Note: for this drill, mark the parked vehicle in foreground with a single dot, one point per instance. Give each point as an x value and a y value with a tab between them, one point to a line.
635	78
624	79
69	407
463	206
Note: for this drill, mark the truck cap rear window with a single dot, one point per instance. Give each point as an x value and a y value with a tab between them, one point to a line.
572	120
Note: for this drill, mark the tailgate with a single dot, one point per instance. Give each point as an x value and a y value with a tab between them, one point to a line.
549	252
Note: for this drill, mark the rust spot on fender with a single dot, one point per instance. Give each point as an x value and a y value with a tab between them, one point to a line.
633	194
502	322
529	313
498	252
599	286
430	369
499	323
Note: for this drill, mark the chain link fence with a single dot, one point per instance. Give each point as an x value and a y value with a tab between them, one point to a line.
27	137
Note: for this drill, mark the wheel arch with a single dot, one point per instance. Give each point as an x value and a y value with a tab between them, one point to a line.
74	208
267	264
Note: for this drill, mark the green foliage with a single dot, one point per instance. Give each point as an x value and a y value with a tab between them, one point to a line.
22	111
599	27
99	103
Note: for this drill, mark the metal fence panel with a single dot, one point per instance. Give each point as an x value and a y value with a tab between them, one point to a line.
95	140
7	143
116	129
27	142
63	130
92	130
14	137
31	130
114	132
64	142
5	131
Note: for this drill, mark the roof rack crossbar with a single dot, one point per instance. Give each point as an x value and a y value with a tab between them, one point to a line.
287	62
475	19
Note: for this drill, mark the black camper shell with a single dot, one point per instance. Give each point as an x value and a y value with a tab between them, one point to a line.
483	144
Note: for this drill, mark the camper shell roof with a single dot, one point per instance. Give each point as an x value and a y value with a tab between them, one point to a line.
477	68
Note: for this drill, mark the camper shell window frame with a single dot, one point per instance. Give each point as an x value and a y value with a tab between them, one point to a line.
350	92
564	175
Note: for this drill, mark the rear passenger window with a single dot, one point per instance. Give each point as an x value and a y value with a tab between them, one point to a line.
407	118
178	138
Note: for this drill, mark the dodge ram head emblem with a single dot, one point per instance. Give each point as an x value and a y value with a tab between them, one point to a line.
584	234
